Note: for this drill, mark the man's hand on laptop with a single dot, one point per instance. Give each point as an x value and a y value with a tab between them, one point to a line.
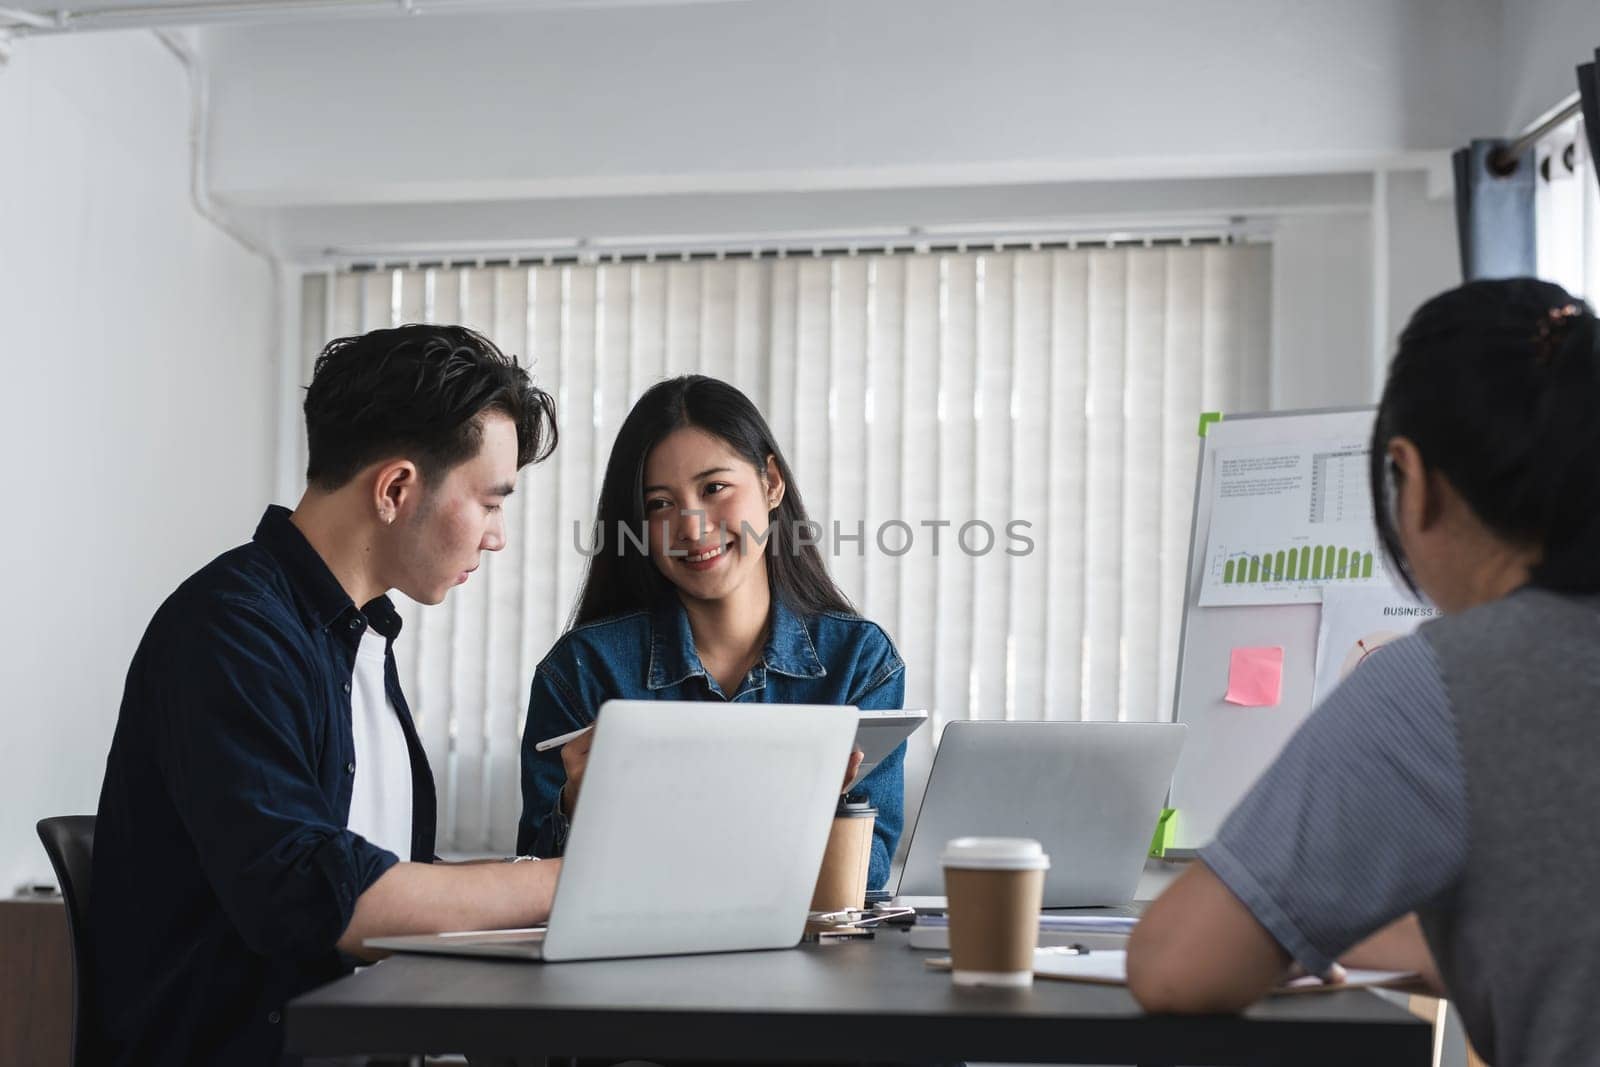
574	760
430	898
852	769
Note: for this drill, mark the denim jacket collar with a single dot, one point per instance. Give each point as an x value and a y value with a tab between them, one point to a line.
673	658
321	597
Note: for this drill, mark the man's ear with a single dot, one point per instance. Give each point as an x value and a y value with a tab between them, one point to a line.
774	483
396	488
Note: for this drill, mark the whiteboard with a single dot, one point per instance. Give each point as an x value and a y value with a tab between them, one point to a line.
1229	746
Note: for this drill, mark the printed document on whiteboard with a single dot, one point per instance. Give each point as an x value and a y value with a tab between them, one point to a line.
1357	623
1287	522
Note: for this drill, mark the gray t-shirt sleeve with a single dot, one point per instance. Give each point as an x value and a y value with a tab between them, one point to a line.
1361	819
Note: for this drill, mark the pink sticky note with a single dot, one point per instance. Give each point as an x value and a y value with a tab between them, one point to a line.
1255	677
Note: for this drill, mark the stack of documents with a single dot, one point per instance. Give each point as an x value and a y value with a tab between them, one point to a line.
1090	931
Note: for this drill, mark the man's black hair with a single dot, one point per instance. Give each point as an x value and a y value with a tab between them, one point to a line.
417	391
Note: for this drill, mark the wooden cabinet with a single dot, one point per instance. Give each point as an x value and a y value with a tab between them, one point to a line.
35	982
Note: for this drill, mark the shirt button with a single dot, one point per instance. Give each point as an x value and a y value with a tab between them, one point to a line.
355	624
274	1018
350	768
347	687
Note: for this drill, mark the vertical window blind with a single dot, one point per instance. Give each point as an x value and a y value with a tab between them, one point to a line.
999	448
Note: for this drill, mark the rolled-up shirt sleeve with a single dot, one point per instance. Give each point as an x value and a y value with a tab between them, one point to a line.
1361	819
237	748
552	711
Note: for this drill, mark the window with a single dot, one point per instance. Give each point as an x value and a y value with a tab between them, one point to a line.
1056	388
1567	211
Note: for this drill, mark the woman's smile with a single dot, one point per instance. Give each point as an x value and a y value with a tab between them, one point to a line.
706	559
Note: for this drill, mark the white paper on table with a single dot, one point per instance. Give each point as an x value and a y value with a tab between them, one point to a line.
1105	924
1110	924
1110	967
1287	522
1355	624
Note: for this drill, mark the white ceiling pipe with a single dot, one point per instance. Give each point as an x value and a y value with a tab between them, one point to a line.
31	19
168	15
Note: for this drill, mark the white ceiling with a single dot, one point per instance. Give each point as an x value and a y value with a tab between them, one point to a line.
632	120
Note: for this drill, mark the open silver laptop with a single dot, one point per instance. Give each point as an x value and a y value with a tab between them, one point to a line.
700	829
1089	791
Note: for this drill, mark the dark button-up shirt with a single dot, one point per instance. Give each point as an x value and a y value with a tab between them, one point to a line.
223	871
826	658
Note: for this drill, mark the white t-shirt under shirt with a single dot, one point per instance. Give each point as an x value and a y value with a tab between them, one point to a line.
380	800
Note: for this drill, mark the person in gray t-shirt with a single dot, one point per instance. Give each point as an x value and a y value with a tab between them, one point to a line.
1420	819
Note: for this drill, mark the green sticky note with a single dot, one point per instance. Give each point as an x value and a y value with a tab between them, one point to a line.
1207	418
1165	826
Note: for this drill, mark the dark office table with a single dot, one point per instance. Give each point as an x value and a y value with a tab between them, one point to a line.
868	1000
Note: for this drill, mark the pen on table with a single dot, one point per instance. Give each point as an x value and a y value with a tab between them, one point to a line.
1064	950
557	742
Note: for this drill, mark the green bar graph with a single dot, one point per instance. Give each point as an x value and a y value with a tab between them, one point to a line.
1304	563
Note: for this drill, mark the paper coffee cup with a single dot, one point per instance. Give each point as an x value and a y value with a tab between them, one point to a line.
995	886
842	882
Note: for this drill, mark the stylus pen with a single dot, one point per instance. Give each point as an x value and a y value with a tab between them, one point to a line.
557	742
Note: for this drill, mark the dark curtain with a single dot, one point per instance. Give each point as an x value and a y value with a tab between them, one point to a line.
1589	94
1494	214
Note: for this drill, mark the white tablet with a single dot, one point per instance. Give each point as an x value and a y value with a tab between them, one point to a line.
879	733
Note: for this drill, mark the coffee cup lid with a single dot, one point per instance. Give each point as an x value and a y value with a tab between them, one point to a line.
848	808
995	854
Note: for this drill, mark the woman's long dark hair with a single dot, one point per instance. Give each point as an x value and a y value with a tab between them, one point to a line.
622	577
1497	383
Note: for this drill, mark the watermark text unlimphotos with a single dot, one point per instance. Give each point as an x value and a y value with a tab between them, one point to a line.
893	537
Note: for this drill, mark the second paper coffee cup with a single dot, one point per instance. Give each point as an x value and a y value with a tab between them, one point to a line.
842	882
995	886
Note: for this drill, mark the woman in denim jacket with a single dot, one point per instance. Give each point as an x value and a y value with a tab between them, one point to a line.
700	589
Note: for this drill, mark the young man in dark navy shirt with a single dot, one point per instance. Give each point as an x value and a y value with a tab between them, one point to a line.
230	874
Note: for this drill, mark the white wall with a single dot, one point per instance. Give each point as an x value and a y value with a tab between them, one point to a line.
812	94
845	115
1326	291
138	401
1423	257
1321	311
1541	44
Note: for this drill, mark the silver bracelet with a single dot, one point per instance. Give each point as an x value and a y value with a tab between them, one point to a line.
522	859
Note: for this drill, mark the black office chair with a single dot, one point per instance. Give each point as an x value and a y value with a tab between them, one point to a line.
69	842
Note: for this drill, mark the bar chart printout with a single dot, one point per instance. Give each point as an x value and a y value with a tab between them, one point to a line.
1287	522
